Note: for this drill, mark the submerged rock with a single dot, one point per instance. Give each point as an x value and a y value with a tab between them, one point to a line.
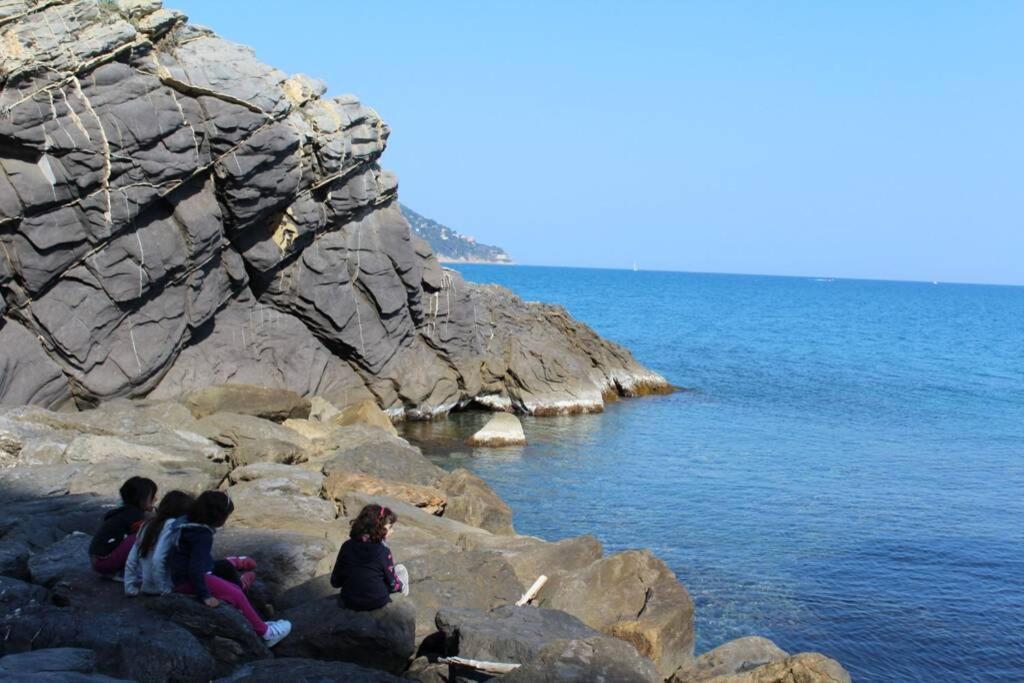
503	429
736	656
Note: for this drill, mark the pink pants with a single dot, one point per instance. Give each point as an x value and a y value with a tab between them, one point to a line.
228	592
115	561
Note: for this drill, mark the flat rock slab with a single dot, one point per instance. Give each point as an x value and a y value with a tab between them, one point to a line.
503	429
246	399
507	633
55	659
380	639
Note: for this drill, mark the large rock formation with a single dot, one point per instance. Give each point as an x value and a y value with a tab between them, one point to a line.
174	214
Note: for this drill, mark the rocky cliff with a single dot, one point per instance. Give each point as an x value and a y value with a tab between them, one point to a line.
451	246
175	213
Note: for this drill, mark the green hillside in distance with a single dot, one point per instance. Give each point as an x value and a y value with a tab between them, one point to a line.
451	246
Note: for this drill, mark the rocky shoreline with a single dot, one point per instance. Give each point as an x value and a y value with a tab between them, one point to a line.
297	470
206	279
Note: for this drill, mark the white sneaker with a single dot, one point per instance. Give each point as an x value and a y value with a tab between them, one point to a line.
277	631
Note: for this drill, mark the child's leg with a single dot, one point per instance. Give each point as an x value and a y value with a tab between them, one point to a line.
403	575
115	561
242	563
224	569
233	595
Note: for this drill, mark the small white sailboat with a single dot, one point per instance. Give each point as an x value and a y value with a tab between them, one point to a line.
635	269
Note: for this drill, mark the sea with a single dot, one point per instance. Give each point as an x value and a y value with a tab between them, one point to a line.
843	471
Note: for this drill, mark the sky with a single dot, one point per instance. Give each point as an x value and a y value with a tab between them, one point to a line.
868	139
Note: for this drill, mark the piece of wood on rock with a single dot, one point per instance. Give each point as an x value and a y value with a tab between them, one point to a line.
380	639
246	399
633	596
503	429
733	657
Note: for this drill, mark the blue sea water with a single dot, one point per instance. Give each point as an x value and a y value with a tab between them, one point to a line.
846	474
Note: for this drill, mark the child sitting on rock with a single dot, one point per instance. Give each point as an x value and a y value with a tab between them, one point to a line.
110	546
146	569
365	570
191	564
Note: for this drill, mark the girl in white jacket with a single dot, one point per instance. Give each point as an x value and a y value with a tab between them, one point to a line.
146	569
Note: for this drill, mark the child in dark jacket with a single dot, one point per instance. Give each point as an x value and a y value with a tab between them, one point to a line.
111	544
365	571
190	564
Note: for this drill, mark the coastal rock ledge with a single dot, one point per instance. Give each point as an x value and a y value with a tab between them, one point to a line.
175	214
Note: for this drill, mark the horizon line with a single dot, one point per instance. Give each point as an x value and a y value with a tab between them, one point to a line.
712	272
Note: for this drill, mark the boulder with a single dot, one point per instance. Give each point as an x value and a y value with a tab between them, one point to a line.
284	558
269	403
472	501
440	527
367	413
57	562
233	430
311	429
503	429
427	498
322	410
736	656
530	557
598	658
806	667
633	596
15	593
473	579
362	450
507	633
128	643
280	503
306	671
222	630
305	482
50	660
380	639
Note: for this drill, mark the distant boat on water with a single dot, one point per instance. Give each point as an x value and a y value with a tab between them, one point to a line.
635	269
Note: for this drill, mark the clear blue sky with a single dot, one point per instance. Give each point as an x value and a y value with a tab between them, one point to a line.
868	139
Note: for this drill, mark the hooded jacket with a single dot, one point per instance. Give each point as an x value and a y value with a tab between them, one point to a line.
190	558
365	573
149	574
117	525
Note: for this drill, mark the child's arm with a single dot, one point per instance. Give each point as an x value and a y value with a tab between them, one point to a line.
390	577
340	573
199	559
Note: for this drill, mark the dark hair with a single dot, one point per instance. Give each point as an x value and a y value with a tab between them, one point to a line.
371	522
138	491
211	508
174	504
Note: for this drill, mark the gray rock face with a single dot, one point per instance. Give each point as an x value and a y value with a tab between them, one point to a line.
380	639
307	671
506	634
598	658
174	214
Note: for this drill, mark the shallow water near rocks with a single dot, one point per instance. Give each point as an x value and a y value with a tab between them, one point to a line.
846	474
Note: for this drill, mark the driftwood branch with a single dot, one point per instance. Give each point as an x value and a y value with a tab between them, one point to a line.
487	667
532	592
